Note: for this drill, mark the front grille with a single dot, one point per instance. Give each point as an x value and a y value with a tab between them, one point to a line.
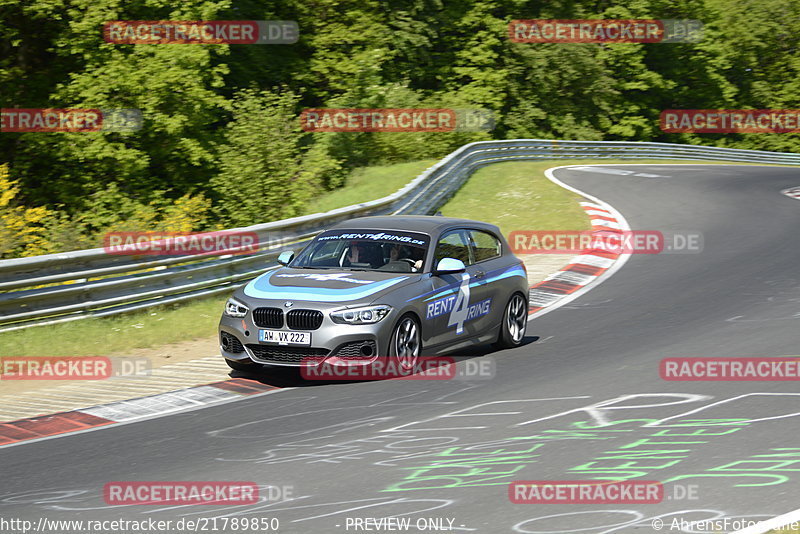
353	350
231	343
268	317
295	355
304	319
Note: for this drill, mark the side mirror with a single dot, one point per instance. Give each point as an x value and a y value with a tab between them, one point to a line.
450	266
286	257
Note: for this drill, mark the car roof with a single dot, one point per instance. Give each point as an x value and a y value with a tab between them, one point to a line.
429	224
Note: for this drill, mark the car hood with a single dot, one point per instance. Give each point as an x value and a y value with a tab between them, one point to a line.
324	285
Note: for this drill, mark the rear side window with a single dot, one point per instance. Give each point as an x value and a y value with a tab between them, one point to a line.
485	245
453	245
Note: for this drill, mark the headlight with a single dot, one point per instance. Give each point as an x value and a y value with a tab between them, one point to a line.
234	308
366	315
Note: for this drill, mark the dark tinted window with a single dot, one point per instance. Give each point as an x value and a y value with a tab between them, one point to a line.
453	245
485	245
367	250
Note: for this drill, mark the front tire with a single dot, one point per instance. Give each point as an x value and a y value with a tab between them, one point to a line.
515	319
406	342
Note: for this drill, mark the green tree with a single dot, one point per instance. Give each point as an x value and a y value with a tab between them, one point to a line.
176	87
265	171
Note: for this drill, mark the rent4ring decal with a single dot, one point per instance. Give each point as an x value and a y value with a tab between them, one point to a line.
458	306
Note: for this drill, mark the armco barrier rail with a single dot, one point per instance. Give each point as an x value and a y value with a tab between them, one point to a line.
89	283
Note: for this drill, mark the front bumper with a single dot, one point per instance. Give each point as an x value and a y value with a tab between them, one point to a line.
331	343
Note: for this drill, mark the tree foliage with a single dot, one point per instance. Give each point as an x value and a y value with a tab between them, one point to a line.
221	138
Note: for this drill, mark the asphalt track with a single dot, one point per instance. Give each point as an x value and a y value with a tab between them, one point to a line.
575	402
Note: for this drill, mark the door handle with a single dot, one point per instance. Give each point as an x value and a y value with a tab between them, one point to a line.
480	274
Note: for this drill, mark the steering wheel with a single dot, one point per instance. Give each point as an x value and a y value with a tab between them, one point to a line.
411	263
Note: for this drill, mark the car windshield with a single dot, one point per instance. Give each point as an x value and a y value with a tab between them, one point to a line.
365	250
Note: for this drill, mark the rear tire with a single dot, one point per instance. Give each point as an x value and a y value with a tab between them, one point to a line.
515	319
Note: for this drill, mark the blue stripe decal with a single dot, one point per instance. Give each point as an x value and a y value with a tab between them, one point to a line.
453	288
516	270
261	288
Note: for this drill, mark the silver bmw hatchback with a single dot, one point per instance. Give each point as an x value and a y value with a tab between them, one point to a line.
391	287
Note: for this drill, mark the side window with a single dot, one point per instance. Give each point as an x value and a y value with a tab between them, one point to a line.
485	245
453	245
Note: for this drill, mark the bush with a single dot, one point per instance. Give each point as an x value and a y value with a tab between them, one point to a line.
265	171
21	230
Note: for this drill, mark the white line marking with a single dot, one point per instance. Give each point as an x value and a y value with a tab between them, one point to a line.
572	278
602	170
593	260
608	224
145	418
163	403
793	192
616	266
597	212
538	298
771	524
726	401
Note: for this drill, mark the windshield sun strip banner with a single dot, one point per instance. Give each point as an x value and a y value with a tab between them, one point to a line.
402	238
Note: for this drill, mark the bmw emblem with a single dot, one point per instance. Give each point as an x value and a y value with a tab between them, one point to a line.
288	303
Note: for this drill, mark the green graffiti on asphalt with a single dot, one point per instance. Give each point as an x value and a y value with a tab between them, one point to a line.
662	448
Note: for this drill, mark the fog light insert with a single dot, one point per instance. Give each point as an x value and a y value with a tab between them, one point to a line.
230	343
357	350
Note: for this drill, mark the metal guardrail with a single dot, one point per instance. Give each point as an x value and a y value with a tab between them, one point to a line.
88	283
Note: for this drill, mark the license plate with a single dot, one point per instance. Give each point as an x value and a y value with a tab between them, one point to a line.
283	337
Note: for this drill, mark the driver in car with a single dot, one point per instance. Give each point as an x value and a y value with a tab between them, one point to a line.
363	253
409	254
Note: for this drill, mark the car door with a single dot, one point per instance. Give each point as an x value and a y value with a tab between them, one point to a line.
490	300
450	312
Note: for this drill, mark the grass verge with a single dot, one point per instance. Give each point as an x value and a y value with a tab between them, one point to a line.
369	183
516	195
512	195
117	334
